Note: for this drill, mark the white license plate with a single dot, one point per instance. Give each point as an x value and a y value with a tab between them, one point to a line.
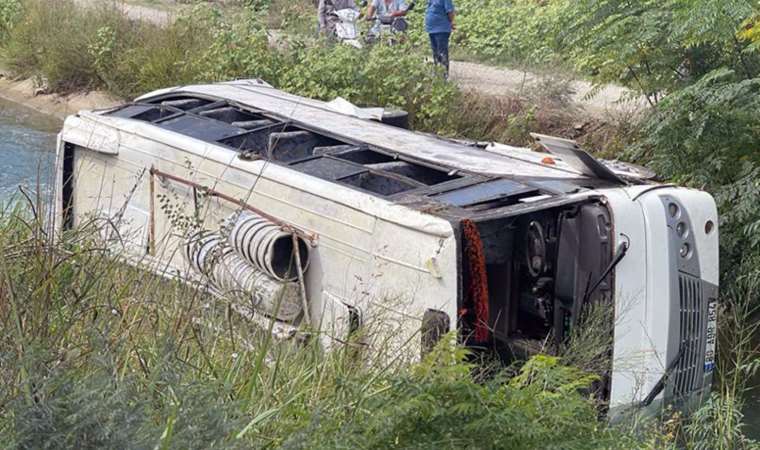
712	335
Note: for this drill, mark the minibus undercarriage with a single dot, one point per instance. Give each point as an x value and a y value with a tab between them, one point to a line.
526	279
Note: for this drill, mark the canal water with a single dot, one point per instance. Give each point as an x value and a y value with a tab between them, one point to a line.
27	149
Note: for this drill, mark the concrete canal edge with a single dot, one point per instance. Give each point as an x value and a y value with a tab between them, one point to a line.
24	92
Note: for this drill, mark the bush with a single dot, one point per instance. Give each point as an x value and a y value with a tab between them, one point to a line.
70	48
379	76
706	136
438	404
237	48
37	47
515	31
106	50
96	354
154	57
656	47
9	12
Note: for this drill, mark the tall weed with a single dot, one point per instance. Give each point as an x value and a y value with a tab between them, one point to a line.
719	424
97	354
706	136
69	48
9	12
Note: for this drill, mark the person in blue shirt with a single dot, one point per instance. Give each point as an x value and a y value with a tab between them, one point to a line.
439	23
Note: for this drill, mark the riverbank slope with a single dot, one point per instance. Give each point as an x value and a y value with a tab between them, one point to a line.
25	92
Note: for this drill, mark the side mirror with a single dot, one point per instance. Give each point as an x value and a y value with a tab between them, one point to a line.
410	7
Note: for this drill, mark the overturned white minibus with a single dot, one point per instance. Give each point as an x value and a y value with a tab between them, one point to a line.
313	215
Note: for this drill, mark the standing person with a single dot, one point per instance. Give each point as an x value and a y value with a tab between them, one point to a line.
384	8
439	23
327	17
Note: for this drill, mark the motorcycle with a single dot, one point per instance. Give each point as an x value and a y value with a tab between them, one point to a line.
347	30
392	29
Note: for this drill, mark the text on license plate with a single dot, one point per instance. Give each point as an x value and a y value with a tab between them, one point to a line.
711	335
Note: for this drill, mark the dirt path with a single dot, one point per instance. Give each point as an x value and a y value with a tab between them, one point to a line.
135	12
498	81
484	79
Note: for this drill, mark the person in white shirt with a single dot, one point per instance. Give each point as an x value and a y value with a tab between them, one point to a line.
384	8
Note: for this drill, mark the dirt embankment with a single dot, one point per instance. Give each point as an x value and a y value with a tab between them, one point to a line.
60	106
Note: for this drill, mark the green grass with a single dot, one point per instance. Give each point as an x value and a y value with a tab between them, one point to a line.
97	354
101	48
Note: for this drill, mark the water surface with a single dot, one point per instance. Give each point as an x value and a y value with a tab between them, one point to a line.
27	149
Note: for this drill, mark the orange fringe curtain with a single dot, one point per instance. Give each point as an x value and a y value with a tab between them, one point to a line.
478	288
